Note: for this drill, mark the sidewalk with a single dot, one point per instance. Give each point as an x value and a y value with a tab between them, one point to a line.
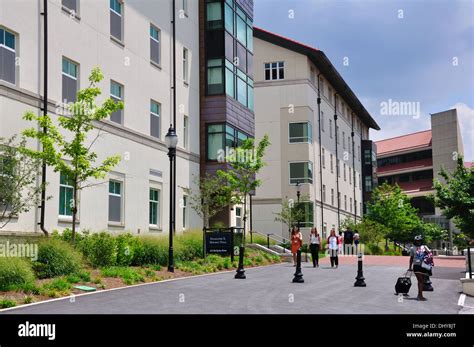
386	260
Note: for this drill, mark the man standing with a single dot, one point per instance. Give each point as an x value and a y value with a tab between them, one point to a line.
348	240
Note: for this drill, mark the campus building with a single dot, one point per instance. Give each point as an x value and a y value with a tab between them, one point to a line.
131	41
317	127
412	161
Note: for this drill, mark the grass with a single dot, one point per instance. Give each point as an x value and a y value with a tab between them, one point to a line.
128	275
6	303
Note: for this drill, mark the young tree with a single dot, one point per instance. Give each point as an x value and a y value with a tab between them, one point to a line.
64	148
390	207
245	163
211	197
456	196
18	189
290	213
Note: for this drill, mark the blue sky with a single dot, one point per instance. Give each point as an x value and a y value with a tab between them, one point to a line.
426	57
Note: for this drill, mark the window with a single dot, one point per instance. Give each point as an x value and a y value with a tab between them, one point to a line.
238	217
321	86
323	154
66	196
215	78
154	206
312	75
349	144
301	172
185	132
70	5
338	168
330	128
322	121
355	206
330	95
115	201
343	140
338	199
331	162
350	204
155	39
185	7
185	64
70	81
350	176
220	136
345	176
116	94
274	71
214	15
345	202
229	18
307	207
367	156
155	120
358	152
116	7
300	132
185	211
324	193
7	56
337	135
332	196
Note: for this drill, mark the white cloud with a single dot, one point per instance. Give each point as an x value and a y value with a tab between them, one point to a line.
466	123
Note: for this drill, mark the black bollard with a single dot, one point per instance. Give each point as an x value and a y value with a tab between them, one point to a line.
360	280
298	277
427	287
240	273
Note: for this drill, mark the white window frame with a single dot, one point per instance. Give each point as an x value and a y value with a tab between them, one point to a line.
158	208
279	65
185	65
184	211
66	186
300	178
185	132
159	44
310	133
122	202
3	45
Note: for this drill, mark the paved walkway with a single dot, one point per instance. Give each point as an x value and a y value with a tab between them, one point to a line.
397	261
270	290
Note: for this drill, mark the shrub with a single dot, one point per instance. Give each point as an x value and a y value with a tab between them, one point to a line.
373	249
66	235
28	299
189	246
30	288
15	272
100	249
129	249
154	251
56	258
58	284
128	275
6	303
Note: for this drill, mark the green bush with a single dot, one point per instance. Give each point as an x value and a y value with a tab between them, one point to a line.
100	249
129	249
128	275
5	303
14	273
56	258
66	235
59	285
189	246
373	249
154	251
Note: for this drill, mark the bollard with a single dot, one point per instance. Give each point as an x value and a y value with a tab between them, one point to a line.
427	287
360	280
240	273
298	276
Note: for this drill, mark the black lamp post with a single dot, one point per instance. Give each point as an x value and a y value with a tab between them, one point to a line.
171	140
298	194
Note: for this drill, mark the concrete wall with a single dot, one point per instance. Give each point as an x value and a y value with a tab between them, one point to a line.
86	40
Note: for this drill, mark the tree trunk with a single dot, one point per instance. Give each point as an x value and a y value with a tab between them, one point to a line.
74	212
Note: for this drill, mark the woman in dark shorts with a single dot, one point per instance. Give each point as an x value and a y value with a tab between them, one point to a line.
421	263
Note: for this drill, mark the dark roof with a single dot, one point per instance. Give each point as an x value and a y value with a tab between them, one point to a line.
324	65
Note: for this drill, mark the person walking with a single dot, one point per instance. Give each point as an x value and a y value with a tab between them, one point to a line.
333	247
314	245
348	240
356	241
340	240
296	242
421	263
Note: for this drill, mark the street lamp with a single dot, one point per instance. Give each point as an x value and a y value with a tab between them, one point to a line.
171	140
298	194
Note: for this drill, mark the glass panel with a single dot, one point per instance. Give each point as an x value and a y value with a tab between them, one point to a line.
229	83
241	91
9	40
2	34
214	144
215	128
214	15
116	90
241	30
215	80
249	38
250	97
229	19
154	33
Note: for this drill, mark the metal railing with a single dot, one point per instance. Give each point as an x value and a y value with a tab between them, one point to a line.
279	240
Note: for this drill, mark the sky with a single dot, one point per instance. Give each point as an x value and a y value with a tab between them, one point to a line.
418	51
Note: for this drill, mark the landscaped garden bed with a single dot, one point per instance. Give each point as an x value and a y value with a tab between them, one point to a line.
102	261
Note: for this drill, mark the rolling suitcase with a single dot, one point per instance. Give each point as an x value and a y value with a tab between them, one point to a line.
403	284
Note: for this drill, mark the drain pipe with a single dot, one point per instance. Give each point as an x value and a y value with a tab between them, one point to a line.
353	168
45	111
337	166
320	157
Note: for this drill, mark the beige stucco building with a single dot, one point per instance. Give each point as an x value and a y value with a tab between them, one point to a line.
316	126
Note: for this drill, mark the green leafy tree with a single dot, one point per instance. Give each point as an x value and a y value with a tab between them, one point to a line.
390	207
211	197
64	147
290	214
431	232
244	164
18	172
455	196
371	231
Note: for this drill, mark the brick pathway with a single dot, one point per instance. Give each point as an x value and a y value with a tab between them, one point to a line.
387	260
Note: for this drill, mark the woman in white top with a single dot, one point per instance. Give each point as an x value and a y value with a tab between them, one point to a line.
314	245
333	248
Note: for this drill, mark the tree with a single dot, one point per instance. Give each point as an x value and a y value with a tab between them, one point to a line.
431	232
456	196
18	172
390	207
245	163
68	153
290	213
211	197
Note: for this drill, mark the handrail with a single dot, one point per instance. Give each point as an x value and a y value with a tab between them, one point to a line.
274	237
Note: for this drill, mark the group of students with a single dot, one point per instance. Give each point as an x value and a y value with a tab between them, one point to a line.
334	244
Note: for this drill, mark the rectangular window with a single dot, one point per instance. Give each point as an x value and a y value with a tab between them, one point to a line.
308	208
324	193
350	176
331	162
155	119
155	39
185	211
345	202
229	18
322	90
238	217
350	204
214	15
185	132
241	90
349	144
332	196
358	152
185	65
116	94
241	28
345	176
70	81
274	71
322	122
338	168
330	128
301	172
300	132
368	183
70	5
337	134
154	208
220	136
330	95
7	56
115	201
116	19
343	140
66	196
215	77
367	156
323	154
